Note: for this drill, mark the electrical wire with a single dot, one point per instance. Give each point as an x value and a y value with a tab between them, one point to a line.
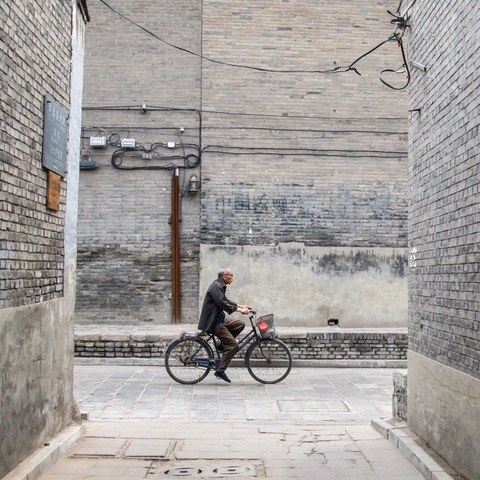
219	62
404	68
189	161
105	129
232	150
308	130
240	114
244	127
260	69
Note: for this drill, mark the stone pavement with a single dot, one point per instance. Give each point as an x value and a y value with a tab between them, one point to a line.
314	425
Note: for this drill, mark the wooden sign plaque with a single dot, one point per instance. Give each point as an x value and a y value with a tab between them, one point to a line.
53	190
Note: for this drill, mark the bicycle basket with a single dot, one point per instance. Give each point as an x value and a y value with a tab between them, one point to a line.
266	326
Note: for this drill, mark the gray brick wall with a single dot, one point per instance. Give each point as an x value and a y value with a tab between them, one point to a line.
124	238
314	158
444	280
445	178
340	346
31	236
41	54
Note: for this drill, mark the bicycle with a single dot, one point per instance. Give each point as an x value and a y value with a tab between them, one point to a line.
189	359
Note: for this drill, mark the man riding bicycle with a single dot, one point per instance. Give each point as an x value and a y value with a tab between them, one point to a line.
213	319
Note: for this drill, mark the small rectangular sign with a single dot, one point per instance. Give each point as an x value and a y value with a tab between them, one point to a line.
54	152
53	190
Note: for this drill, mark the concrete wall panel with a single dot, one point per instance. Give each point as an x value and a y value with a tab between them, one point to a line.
444	407
307	286
36	365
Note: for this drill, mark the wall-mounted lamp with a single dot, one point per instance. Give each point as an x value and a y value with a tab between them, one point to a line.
88	164
193	184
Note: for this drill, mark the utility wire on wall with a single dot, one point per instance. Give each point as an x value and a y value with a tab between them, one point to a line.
304	152
393	37
223	112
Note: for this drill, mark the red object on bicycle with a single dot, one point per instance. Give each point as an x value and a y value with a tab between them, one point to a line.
263	327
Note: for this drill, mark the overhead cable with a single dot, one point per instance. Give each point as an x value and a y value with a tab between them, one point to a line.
351	67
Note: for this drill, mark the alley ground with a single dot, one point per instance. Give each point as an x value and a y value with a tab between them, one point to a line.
314	425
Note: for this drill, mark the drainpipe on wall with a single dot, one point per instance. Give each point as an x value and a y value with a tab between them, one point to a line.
175	222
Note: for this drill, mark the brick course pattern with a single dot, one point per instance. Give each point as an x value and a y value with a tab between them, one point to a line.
329	346
308	157
444	227
31	236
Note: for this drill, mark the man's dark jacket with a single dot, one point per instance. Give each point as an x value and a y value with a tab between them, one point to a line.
215	301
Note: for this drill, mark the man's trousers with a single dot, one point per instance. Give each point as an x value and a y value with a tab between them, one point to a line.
226	332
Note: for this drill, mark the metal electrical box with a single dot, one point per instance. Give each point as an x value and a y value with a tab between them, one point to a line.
128	143
98	142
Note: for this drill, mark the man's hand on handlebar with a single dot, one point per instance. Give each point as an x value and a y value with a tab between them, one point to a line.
243	309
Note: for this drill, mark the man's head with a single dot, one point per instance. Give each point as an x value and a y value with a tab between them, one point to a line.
225	275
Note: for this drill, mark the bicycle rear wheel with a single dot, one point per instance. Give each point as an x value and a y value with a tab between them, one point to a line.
188	360
268	360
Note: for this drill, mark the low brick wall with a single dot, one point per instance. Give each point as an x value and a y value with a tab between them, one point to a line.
350	346
124	345
381	347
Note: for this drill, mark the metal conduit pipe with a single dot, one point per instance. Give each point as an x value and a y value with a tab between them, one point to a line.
175	222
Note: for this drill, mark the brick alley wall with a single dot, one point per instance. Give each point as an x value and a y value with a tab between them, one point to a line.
445	178
31	253
301	159
444	231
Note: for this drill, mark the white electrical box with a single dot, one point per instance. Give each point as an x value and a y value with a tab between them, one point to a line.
171	145
98	142
128	143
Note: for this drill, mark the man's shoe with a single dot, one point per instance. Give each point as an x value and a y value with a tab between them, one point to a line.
222	375
220	347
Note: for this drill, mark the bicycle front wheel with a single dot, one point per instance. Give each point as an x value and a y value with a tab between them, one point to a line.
188	360
268	361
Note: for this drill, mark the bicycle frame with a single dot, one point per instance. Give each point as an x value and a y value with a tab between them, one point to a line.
247	339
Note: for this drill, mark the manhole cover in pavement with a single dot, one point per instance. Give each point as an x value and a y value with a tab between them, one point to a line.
182	472
214	471
234	470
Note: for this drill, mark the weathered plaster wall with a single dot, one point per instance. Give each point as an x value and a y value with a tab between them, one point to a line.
444	409
307	286
36	377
